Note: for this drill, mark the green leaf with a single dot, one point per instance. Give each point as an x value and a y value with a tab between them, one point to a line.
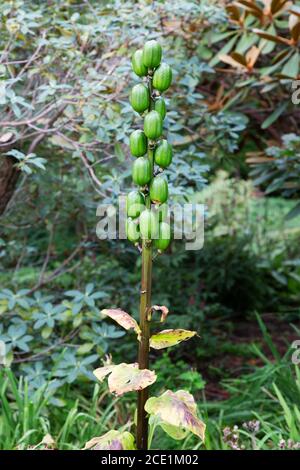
167	338
287	412
268	46
112	440
276	184
176	410
77	320
85	348
119	152
225	50
274	116
291	68
125	377
294	212
46	332
268	71
247	40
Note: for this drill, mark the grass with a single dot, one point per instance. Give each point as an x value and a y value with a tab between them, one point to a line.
270	395
26	418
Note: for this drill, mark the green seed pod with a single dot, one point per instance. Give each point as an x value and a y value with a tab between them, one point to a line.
140	98
149	224
162	77
138	143
153	125
141	171
152	54
132	231
137	64
163	154
135	204
160	107
164	237
159	189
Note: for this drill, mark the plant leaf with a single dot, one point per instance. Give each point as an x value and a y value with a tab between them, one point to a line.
265	45
250	6
102	372
225	49
234	12
295	10
271	37
274	116
231	61
279	5
119	152
123	319
291	67
177	410
112	440
247	40
240	58
252	56
125	377
167	338
293	212
164	311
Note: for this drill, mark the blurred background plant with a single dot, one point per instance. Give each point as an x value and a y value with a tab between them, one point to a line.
64	83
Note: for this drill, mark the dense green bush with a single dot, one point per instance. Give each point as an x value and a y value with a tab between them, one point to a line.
277	169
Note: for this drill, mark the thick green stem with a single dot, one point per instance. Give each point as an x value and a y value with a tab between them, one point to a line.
145	306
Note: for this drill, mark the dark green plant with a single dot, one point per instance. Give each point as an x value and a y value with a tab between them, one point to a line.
277	170
260	43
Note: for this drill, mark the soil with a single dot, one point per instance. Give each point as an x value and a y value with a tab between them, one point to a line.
230	364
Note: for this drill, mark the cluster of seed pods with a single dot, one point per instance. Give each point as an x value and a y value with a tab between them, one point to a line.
147	210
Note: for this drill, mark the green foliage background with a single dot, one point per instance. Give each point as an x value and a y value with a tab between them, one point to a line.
64	126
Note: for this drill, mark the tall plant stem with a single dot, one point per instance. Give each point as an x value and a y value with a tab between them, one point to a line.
145	306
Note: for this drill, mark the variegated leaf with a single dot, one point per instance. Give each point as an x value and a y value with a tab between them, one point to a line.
102	372
125	377
112	440
122	318
167	338
176	410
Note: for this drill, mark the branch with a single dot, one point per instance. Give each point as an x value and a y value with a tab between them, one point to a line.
91	173
60	270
